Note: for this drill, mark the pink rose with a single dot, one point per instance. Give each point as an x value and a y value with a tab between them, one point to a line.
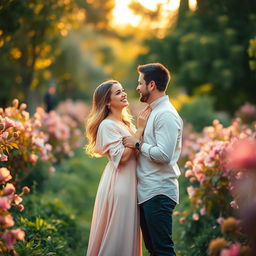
9	189
4	175
21	207
182	220
6	221
4	158
233	251
188	173
15	103
5	203
242	155
10	237
191	191
195	217
5	135
202	211
192	179
234	204
220	220
18	233
176	213
33	158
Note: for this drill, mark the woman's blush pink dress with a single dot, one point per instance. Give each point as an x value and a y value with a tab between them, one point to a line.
115	223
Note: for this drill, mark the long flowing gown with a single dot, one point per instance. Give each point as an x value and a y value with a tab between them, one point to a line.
115	223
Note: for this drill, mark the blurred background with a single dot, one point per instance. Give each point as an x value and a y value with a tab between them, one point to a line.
54	53
77	44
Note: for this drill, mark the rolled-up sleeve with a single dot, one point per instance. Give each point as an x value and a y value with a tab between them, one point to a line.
167	129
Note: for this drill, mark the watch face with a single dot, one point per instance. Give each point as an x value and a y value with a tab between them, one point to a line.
137	145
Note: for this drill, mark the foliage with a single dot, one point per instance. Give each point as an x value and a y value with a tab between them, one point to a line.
22	140
50	229
196	235
72	187
30	35
221	172
49	136
8	200
207	170
252	53
209	46
200	113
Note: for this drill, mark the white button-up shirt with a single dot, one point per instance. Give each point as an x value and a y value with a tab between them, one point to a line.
157	168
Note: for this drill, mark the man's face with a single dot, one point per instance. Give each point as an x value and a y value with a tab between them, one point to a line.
143	89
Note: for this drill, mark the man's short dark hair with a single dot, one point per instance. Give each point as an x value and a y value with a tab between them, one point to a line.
155	72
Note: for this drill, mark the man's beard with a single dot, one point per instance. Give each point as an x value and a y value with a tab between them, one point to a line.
144	96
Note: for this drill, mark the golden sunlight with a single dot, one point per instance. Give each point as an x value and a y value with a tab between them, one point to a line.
122	15
192	5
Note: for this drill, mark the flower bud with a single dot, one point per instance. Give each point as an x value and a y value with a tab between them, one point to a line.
6	221
15	103
23	106
25	190
20	207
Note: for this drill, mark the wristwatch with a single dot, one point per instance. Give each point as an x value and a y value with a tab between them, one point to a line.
138	144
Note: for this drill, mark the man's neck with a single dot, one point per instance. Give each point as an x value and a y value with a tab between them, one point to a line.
155	97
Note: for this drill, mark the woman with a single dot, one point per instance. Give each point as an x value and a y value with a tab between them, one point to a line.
115	222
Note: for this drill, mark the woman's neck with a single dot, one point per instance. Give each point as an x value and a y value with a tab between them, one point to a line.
116	115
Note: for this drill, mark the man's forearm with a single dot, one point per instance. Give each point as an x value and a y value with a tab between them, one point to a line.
155	153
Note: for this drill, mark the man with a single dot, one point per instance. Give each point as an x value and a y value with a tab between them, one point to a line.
157	170
50	98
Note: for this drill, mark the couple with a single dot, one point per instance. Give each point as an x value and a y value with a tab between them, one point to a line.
139	186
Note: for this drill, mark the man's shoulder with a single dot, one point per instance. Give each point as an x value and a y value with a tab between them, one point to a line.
167	114
166	110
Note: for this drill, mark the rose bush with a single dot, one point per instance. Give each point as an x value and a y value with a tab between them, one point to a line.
221	170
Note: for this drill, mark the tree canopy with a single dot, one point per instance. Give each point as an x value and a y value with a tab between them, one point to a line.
207	51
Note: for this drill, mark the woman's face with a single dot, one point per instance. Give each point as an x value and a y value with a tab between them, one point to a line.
118	97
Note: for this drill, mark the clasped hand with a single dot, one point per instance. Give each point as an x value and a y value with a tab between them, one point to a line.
130	141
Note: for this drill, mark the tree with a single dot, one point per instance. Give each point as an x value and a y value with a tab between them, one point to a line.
30	32
208	49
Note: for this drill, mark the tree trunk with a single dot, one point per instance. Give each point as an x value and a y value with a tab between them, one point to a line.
184	7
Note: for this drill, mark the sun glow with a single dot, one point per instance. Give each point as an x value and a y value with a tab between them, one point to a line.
122	15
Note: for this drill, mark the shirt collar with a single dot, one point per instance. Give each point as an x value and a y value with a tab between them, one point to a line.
158	101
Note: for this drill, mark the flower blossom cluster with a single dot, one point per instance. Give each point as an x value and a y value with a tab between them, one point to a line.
221	170
211	170
9	199
21	133
62	133
77	110
25	139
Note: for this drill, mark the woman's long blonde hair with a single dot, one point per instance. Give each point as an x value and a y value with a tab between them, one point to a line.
99	112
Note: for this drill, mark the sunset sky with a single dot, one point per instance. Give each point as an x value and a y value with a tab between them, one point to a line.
125	16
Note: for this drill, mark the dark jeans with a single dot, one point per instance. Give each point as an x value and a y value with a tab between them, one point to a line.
156	225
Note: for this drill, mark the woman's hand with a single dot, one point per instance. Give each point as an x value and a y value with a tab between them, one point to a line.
143	117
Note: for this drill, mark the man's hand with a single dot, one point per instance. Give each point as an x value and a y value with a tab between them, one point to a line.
129	141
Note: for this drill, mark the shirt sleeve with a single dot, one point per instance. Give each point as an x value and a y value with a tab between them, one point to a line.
109	142
167	131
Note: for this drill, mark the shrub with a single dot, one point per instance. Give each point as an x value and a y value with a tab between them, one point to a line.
50	229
